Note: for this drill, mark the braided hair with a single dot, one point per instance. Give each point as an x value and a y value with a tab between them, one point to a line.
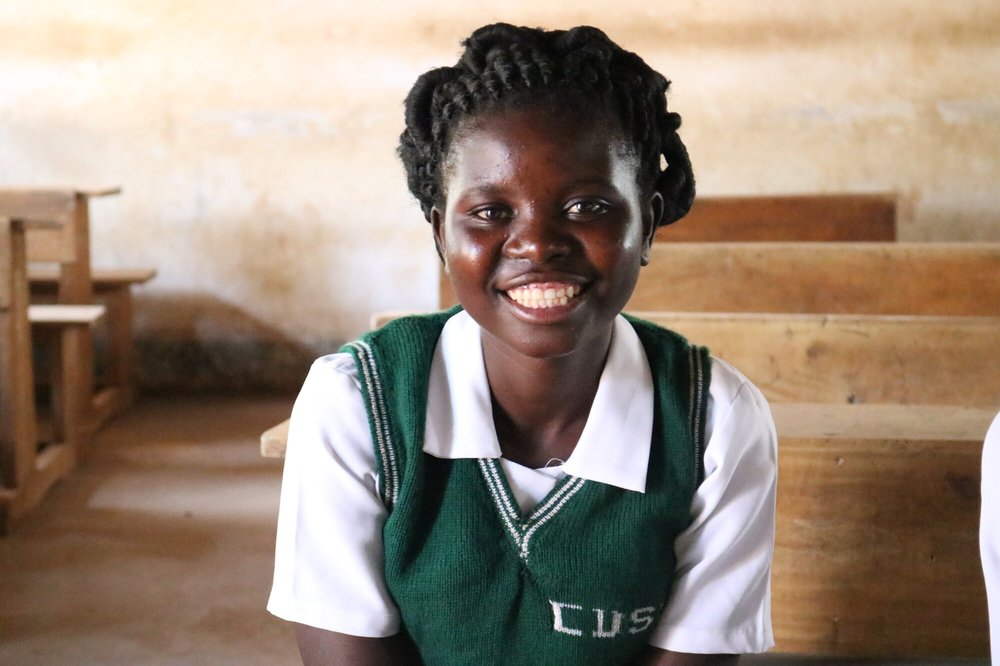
504	66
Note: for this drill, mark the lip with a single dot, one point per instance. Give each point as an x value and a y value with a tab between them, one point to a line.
538	277
549	315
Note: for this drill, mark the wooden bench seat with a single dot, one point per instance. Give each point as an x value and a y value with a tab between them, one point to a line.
274	440
103	279
61	315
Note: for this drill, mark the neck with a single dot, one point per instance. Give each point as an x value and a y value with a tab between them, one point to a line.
540	405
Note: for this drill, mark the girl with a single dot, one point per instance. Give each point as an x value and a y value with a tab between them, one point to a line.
532	478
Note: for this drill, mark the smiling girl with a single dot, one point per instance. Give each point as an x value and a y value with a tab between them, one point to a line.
532	478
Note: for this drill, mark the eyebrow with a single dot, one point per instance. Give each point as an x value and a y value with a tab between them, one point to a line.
489	188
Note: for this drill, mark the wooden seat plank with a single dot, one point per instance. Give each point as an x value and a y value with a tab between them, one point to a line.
60	315
274	440
102	278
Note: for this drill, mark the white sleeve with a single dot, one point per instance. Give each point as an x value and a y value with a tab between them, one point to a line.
328	564
721	599
989	530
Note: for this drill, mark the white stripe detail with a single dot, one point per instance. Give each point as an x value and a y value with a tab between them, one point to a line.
697	405
380	418
499	499
691	397
576	484
542	508
496	472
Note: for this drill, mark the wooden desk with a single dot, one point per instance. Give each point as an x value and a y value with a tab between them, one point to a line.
61	273
25	474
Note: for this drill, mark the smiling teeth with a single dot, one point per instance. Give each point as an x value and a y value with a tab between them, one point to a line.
534	296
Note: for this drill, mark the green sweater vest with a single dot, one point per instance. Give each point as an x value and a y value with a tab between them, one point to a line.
584	577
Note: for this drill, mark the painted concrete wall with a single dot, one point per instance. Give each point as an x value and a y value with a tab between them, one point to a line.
255	140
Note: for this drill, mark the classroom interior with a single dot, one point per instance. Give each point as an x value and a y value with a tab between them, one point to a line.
244	212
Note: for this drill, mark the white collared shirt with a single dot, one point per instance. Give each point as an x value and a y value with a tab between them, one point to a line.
989	531
328	560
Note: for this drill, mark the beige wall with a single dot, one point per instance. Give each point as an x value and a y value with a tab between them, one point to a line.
254	140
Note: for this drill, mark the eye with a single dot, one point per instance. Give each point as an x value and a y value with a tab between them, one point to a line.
588	207
492	213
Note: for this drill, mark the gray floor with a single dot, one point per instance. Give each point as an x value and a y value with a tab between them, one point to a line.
158	549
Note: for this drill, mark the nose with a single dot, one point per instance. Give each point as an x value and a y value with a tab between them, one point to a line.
538	237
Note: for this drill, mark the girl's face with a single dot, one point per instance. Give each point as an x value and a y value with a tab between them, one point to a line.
543	229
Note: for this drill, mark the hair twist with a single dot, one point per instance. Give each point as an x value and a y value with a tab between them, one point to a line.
503	66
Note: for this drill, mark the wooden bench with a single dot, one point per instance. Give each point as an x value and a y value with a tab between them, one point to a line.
62	274
113	288
274	440
796	217
28	468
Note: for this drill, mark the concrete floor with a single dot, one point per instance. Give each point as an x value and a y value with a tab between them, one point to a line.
158	549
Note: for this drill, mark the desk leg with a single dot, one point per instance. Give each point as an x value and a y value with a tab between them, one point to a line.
117	391
18	428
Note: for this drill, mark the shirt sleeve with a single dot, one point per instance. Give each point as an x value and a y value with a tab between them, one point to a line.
989	529
328	555
721	600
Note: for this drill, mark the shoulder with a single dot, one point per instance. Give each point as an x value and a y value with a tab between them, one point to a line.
408	329
729	386
652	333
740	425
332	369
328	405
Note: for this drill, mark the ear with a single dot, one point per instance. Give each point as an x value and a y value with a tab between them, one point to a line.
651	216
436	219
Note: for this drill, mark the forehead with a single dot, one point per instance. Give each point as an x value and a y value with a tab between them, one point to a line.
572	144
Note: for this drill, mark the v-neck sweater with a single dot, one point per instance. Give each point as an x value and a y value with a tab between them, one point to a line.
476	580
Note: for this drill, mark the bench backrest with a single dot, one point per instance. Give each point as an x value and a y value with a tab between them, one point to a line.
877	531
69	244
822	278
926	360
802	217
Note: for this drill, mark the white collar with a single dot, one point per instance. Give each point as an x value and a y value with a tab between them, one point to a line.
614	446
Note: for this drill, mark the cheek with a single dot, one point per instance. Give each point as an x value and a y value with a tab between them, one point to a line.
467	254
619	246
